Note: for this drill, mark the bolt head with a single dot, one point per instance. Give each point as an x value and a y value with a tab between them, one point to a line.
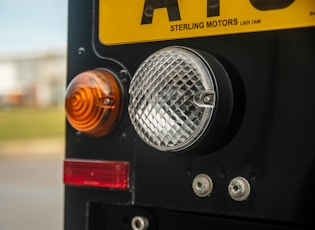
202	185
239	188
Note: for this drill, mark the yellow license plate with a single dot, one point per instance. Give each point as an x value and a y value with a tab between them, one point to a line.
136	21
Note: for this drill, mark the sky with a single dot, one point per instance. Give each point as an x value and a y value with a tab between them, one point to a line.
28	25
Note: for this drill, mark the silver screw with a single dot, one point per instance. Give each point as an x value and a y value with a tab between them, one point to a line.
81	51
139	223
107	101
207	99
149	11
202	185
239	188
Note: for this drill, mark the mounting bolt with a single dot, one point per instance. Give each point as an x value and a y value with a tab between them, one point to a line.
81	51
202	185
139	223
239	188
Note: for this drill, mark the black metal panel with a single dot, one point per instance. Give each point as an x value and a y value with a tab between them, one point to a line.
273	148
107	217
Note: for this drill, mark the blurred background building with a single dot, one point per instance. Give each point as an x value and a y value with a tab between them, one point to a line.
32	52
32	79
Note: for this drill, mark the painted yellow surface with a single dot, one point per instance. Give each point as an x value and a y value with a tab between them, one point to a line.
120	21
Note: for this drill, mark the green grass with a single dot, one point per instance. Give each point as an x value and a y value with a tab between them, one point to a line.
31	122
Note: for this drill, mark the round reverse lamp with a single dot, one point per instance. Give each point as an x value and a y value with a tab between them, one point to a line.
173	95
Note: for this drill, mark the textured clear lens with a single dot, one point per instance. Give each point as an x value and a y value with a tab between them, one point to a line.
172	97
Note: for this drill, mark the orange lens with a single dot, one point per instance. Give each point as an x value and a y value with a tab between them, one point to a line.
93	102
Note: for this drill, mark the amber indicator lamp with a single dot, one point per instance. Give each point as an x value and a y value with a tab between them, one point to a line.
93	102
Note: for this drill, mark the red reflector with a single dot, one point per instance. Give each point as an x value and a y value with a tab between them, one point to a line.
109	174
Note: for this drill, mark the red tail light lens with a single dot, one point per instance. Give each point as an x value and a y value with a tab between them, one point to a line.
108	174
